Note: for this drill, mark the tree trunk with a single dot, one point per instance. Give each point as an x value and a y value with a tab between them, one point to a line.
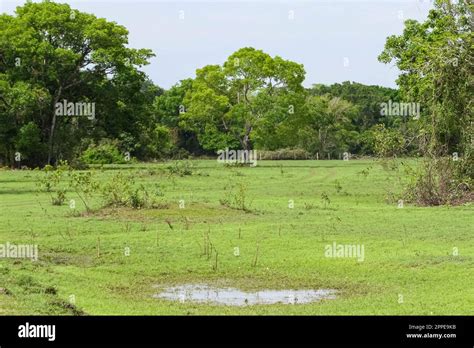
246	140
50	140
53	125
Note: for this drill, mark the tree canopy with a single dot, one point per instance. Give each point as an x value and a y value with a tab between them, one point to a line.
231	105
49	53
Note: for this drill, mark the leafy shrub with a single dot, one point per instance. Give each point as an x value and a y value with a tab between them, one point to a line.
107	152
122	191
60	197
139	198
387	142
439	181
159	142
181	153
236	197
284	154
78	164
51	177
52	181
325	199
28	143
84	185
181	168
114	191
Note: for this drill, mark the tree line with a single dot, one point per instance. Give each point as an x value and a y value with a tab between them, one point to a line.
51	54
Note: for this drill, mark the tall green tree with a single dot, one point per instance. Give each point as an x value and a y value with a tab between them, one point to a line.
437	70
436	63
168	110
69	55
230	104
326	126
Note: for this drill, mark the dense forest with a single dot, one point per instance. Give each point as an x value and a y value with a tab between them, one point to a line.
58	65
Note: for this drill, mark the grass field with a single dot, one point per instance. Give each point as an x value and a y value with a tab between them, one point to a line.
417	260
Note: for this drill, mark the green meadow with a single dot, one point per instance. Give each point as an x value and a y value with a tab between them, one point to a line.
281	215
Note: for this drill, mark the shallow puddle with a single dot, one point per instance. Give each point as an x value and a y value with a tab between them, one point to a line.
235	297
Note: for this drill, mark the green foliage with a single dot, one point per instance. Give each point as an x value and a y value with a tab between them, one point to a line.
437	182
170	104
106	152
84	185
387	142
17	101
181	168
59	198
227	104
52	179
284	154
52	53
367	99
115	191
122	191
326	126
62	178
159	142
236	197
435	60
29	143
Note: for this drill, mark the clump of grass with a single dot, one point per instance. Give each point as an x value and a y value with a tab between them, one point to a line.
59	198
214	267
84	185
255	259
52	180
441	181
29	285
122	191
187	222
236	197
207	245
66	306
181	168
325	199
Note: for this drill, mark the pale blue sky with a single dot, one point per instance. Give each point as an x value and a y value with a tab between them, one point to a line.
322	35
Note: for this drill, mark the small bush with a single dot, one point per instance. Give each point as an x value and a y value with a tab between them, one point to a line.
84	185
284	154
59	198
438	182
388	142
236	197
106	152
28	143
52	181
122	191
78	164
181	168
